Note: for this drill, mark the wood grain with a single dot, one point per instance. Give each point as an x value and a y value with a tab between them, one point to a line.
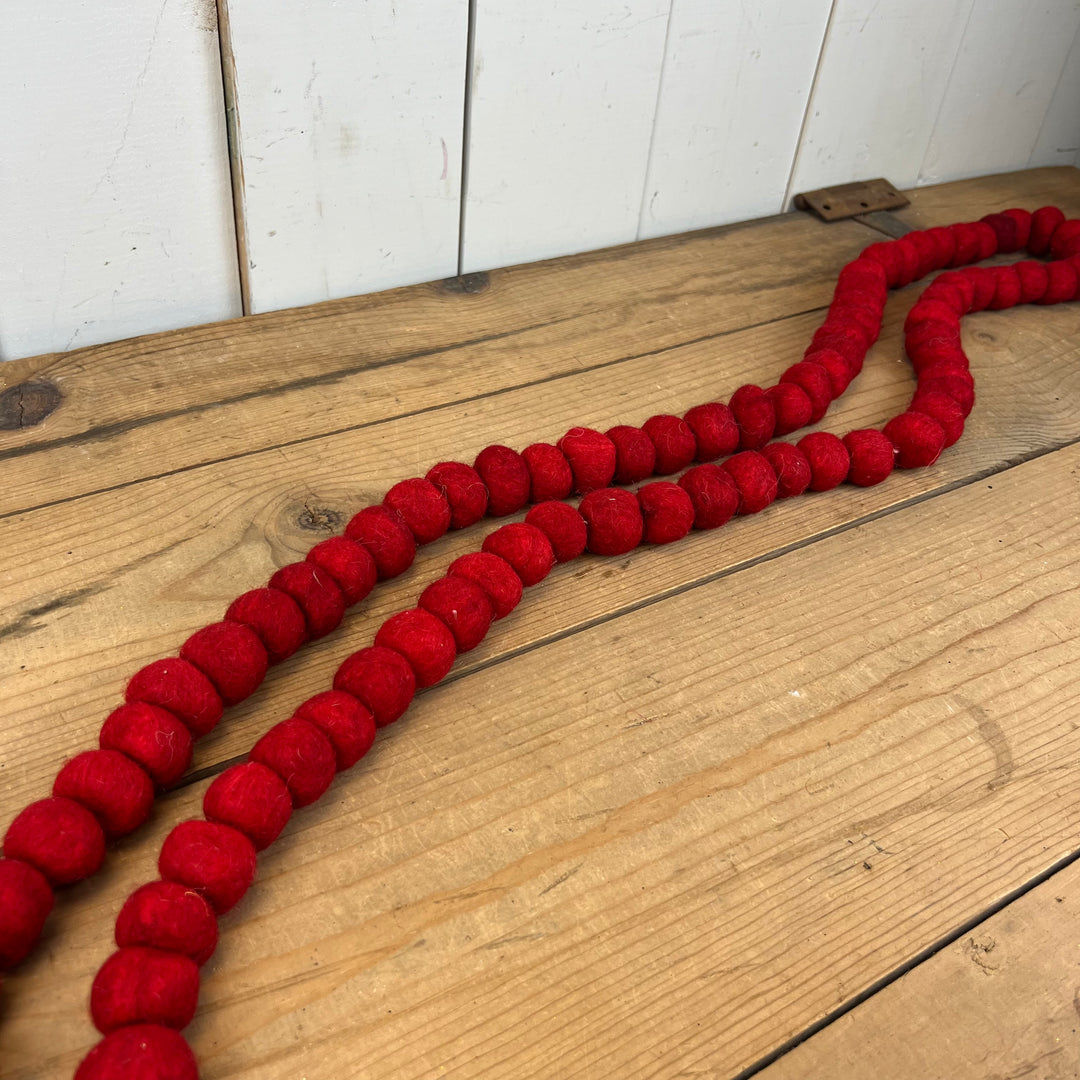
728	812
999	1002
292	376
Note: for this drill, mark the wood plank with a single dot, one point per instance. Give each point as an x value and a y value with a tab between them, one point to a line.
730	811
1006	72
97	586
562	106
349	126
117	216
734	88
880	83
291	376
1000	1001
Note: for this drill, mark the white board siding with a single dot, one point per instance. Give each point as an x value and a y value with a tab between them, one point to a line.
883	76
1059	136
348	136
115	211
736	78
1009	65
563	99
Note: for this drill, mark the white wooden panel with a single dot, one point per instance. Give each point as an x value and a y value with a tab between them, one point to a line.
115	211
734	89
348	129
563	99
1008	67
883	76
1059	136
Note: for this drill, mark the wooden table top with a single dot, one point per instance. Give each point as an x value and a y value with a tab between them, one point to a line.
681	808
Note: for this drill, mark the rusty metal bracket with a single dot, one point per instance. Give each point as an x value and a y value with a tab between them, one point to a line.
851	200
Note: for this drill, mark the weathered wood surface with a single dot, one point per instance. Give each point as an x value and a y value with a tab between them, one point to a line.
679	806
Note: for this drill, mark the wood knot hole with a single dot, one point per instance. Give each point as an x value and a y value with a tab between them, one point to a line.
320	519
27	404
467	284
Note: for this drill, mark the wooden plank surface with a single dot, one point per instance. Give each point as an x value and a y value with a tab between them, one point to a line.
342	365
349	122
418	920
116	215
1001	1001
734	87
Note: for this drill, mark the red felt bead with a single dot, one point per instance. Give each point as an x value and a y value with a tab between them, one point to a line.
464	491
675	444
986	240
613	519
918	438
909	255
754	479
872	456
231	656
829	460
943	409
59	837
967	244
301	755
563	526
525	548
885	253
1023	225
1062	281
250	797
1044	222
275	617
423	639
713	493
835	366
929	310
1007	292
345	721
1065	240
946	244
984	285
849	341
755	415
216	860
140	1052
111	786
592	456
667	512
791	467
792	406
1034	280
26	899
1006	231
388	539
506	477
422	506
168	915
382	680
959	387
635	455
550	472
316	592
813	380
866	273
180	687
350	565
151	736
494	575
463	606
137	985
715	430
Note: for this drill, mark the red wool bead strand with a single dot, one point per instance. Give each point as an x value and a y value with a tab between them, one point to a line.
423	509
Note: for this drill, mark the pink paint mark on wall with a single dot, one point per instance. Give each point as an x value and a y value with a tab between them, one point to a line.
445	159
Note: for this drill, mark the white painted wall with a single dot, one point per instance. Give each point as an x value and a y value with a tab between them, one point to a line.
115	213
590	124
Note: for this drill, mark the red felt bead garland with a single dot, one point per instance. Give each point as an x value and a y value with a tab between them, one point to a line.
667	511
